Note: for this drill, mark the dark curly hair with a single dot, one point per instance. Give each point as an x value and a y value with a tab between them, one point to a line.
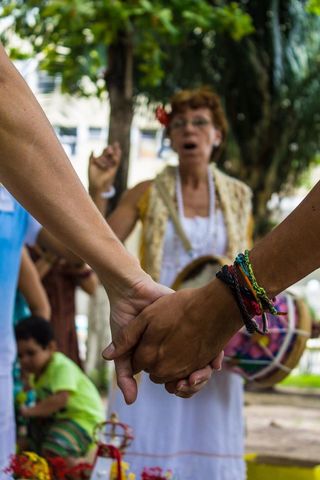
36	328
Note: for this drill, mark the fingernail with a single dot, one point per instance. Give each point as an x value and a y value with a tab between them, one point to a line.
182	386
108	352
198	381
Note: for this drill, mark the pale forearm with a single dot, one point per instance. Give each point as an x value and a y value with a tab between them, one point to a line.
100	203
35	168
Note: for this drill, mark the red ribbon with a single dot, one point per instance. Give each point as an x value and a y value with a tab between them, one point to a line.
112	452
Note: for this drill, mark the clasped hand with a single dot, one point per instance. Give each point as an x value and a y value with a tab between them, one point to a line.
177	338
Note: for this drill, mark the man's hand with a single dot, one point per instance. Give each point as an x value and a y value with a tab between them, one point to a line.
182	333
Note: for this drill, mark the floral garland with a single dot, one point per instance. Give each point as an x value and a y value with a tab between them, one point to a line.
29	465
156	473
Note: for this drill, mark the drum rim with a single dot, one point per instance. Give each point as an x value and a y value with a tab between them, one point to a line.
221	260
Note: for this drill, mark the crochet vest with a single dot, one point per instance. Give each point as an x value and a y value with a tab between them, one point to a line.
234	198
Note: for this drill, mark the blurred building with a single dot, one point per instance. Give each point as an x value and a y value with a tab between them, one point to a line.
81	125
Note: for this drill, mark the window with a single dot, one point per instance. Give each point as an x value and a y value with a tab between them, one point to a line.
95	133
47	83
148	134
148	143
68	138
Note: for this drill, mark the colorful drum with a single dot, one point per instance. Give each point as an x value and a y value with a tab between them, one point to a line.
262	359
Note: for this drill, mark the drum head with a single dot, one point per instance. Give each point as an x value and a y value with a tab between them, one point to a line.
199	272
265	360
292	357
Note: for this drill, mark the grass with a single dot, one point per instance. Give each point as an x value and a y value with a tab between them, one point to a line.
302	380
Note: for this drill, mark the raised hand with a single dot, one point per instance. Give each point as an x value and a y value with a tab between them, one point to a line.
103	168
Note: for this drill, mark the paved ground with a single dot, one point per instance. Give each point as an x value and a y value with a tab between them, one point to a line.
284	424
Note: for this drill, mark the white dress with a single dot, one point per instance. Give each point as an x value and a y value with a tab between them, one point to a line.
197	438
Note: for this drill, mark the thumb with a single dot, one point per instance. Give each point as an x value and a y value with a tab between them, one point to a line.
125	340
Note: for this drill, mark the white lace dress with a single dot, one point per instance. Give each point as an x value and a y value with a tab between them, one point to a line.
201	437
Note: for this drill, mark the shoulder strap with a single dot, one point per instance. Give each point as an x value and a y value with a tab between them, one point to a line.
173	213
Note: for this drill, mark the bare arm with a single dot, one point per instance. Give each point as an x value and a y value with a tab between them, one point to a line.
31	287
45	261
35	168
291	251
82	275
101	174
38	173
89	283
49	242
200	322
124	218
48	406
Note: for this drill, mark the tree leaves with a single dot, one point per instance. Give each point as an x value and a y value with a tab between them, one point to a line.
77	24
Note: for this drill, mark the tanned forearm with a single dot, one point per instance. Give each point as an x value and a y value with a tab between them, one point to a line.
291	251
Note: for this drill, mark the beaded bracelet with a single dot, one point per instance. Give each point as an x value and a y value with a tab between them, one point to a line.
243	261
246	302
250	297
109	193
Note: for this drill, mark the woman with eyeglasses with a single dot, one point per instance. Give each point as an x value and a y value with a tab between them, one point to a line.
201	437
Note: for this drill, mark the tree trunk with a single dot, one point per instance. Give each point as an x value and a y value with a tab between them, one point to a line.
120	88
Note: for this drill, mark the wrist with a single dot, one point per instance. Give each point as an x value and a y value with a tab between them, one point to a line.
109	193
266	273
217	298
98	189
119	271
84	272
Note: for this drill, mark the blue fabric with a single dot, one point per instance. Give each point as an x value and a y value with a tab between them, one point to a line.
21	308
15	223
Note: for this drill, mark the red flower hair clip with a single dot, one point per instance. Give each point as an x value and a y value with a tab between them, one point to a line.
162	116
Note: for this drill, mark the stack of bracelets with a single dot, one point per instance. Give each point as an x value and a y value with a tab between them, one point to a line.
251	299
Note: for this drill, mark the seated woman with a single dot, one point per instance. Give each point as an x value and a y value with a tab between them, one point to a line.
203	436
68	406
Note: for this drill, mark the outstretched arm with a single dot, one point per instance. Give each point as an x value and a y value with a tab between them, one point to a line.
35	168
199	323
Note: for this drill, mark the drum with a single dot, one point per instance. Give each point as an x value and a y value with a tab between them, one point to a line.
260	359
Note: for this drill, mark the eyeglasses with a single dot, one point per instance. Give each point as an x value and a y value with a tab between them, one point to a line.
197	122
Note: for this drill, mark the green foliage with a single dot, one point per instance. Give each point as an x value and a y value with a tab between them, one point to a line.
72	38
313	6
269	83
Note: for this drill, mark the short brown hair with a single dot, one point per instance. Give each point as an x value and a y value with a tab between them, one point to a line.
202	97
